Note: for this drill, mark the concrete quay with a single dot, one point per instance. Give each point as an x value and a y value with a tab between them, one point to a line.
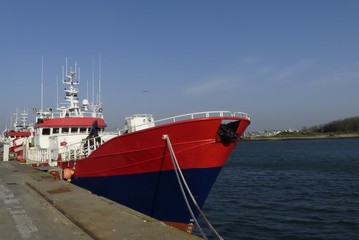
33	205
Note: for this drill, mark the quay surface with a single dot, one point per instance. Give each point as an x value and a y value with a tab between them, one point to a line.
33	205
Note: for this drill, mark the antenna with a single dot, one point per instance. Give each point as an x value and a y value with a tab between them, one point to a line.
57	92
93	83
66	65
79	75
99	82
87	88
63	73
42	83
75	71
11	119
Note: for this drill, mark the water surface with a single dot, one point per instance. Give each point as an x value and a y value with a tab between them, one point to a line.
294	189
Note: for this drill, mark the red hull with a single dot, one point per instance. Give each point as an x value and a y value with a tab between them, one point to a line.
195	143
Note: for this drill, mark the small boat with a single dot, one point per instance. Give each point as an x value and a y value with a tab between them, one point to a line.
162	168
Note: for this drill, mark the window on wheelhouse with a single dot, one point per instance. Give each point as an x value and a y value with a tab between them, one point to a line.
56	130
74	130
83	130
65	130
46	131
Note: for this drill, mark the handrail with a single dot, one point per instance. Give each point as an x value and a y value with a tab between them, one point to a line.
242	115
73	151
78	150
194	115
58	114
197	115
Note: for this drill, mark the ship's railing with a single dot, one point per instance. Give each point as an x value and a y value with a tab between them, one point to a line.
74	151
195	115
71	152
73	114
78	150
36	155
242	115
57	114
84	148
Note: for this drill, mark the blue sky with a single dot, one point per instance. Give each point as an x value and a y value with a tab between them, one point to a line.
289	64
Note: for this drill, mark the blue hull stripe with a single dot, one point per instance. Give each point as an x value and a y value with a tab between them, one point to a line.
155	194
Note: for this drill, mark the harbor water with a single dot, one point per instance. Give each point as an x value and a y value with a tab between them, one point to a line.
288	189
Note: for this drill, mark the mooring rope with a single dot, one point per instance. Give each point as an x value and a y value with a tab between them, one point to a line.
180	177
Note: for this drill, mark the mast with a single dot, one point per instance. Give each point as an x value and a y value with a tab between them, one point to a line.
16	121
71	107
24	119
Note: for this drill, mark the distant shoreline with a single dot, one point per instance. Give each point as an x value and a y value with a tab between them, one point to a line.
309	137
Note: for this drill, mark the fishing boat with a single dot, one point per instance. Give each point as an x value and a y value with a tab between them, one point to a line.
162	168
16	135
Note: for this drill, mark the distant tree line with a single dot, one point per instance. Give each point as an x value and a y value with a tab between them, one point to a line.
345	125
